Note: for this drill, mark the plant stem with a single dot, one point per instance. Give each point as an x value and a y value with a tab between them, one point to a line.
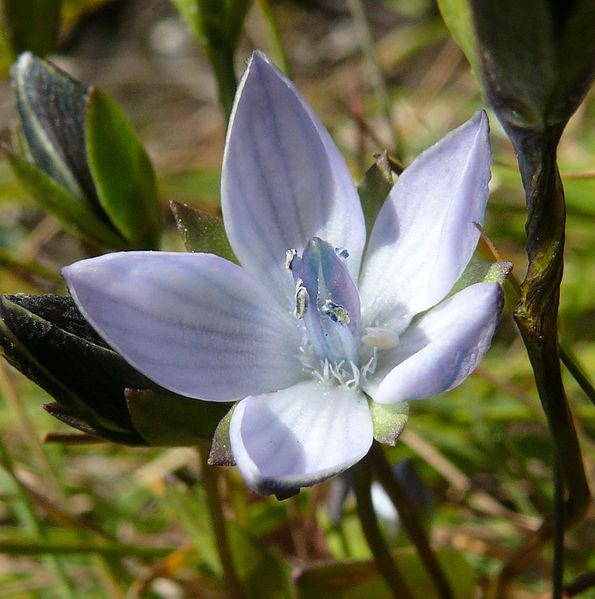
577	372
409	519
222	62
362	29
559	527
276	40
361	484
566	356
215	503
537	318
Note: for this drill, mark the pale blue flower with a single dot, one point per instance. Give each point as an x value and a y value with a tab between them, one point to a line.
310	327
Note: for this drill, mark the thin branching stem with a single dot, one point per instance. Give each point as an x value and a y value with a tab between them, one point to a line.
362	29
275	36
215	503
409	519
362	478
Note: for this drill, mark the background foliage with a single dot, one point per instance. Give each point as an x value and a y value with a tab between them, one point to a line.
102	520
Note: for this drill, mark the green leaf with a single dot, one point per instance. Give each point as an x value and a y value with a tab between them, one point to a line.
374	188
73	213
31	24
221	454
389	420
354	579
201	232
483	272
458	18
47	339
166	419
122	172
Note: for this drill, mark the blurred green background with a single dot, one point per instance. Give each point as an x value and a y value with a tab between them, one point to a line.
127	522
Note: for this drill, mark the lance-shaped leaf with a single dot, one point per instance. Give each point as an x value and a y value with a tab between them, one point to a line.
122	172
48	340
98	178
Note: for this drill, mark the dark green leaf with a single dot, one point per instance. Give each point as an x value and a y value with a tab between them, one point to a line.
122	172
32	24
374	188
201	231
73	213
47	339
167	419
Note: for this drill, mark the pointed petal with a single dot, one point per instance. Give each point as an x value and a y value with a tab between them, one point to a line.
194	323
439	351
424	235
299	436
284	180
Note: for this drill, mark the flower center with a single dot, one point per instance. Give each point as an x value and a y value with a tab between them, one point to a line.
327	300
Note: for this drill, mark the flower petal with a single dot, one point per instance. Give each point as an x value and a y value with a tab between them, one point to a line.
425	235
194	323
284	180
299	436
439	351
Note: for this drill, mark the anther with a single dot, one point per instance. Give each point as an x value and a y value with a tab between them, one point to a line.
301	299
342	253
335	312
289	256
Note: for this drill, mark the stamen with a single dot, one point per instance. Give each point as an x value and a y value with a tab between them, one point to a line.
301	299
342	253
335	312
290	254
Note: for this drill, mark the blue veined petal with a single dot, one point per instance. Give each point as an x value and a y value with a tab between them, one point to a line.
194	323
425	234
441	349
299	436
328	300
283	179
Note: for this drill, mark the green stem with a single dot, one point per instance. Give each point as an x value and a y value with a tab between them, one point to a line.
53	548
577	372
566	355
362	28
558	540
361	484
222	62
215	503
409	519
276	40
537	313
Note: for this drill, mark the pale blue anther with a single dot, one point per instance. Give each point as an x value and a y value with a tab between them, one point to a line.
328	301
